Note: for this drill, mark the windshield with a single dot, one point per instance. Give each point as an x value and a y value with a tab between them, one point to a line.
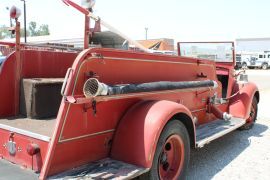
219	52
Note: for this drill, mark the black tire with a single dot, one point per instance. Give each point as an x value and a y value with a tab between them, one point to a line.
172	129
244	65
253	117
265	66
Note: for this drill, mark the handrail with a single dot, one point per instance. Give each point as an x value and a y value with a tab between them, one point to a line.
63	89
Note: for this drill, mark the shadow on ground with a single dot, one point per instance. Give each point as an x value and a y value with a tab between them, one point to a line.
208	161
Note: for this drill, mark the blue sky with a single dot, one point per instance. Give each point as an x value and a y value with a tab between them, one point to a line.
183	20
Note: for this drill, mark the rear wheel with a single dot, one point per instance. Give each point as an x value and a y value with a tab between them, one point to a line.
264	66
172	153
252	115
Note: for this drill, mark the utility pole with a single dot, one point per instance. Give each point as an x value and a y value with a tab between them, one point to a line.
146	33
10	21
24	9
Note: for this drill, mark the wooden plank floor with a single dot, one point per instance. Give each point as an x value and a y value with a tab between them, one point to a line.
43	127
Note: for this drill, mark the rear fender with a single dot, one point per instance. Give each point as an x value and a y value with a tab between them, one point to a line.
139	130
240	104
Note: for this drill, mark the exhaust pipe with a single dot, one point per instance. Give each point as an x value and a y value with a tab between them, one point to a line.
93	87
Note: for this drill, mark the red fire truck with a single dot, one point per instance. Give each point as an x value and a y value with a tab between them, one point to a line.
104	113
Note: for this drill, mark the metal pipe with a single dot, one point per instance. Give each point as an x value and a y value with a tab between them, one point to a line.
146	33
24	8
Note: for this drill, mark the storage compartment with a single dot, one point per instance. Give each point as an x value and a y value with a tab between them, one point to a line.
40	97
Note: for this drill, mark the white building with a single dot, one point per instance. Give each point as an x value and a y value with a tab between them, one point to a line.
249	45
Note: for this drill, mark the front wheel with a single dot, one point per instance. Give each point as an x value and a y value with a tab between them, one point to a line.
244	65
264	66
252	115
172	153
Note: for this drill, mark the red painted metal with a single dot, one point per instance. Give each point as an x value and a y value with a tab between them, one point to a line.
7	44
240	105
86	32
35	64
174	151
115	67
18	66
137	134
22	157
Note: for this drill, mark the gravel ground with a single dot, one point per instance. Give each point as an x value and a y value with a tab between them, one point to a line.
240	154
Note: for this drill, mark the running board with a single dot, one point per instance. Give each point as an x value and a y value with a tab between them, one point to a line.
103	169
213	130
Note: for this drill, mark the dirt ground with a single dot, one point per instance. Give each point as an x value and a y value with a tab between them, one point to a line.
241	154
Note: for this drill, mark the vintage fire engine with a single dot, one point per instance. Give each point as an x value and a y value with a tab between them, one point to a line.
104	113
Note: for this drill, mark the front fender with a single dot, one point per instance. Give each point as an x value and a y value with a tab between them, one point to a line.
240	104
138	132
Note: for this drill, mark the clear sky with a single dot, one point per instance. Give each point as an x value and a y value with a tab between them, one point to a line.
183	20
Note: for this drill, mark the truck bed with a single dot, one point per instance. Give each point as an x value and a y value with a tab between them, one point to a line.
41	129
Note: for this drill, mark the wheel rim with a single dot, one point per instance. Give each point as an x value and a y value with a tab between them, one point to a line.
264	67
171	159
252	115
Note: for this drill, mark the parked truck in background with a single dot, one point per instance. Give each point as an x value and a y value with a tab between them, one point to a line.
103	113
260	60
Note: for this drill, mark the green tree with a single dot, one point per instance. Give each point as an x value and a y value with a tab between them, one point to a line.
33	28
22	32
44	30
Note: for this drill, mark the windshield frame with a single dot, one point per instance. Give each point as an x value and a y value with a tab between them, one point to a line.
209	42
